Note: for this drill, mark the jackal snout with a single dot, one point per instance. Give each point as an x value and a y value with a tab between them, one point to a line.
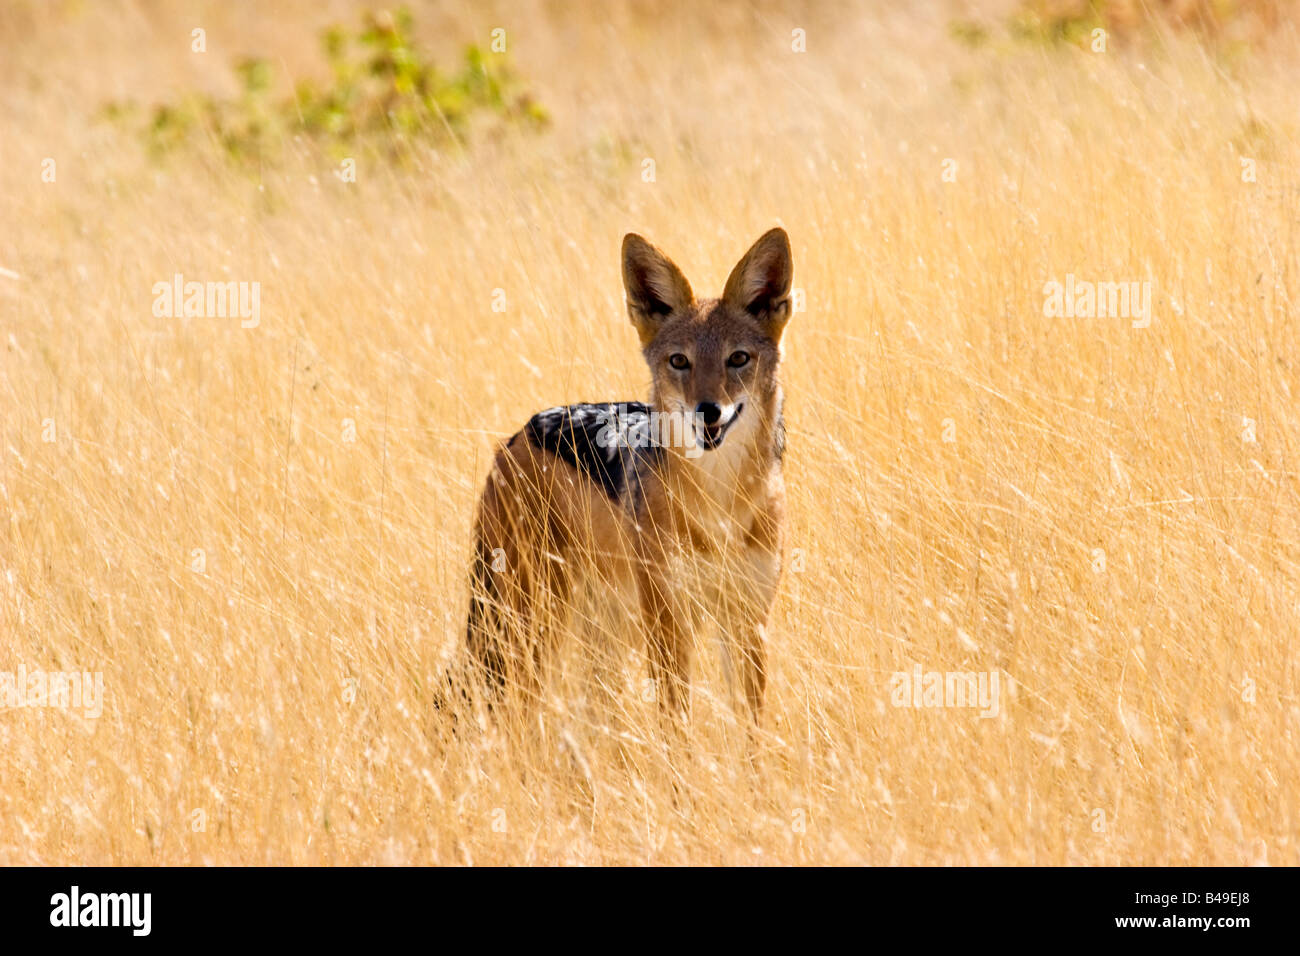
712	421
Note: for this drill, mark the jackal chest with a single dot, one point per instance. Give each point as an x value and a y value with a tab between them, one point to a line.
727	573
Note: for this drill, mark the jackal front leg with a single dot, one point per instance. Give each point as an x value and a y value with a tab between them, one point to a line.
668	632
747	608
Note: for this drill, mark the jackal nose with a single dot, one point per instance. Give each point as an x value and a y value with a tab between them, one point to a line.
711	412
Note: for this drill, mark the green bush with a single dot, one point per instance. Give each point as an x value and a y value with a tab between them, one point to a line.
383	95
1054	22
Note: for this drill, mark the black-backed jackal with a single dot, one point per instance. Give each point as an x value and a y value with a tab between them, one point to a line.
678	503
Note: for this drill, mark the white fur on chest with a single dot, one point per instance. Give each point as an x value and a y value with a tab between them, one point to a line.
724	502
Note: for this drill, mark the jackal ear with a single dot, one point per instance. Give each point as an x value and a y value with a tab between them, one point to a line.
655	287
760	283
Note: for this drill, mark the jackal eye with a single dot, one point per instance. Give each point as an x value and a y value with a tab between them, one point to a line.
738	359
679	361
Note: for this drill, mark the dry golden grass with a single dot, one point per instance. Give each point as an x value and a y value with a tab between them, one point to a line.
1100	529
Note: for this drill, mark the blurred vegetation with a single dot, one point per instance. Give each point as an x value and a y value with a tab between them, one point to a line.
1224	22
383	96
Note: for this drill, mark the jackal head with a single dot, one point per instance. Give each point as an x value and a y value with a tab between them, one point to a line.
712	361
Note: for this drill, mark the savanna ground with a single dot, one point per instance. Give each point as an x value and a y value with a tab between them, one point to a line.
260	535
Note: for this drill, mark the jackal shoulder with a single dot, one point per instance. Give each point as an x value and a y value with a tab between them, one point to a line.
612	443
